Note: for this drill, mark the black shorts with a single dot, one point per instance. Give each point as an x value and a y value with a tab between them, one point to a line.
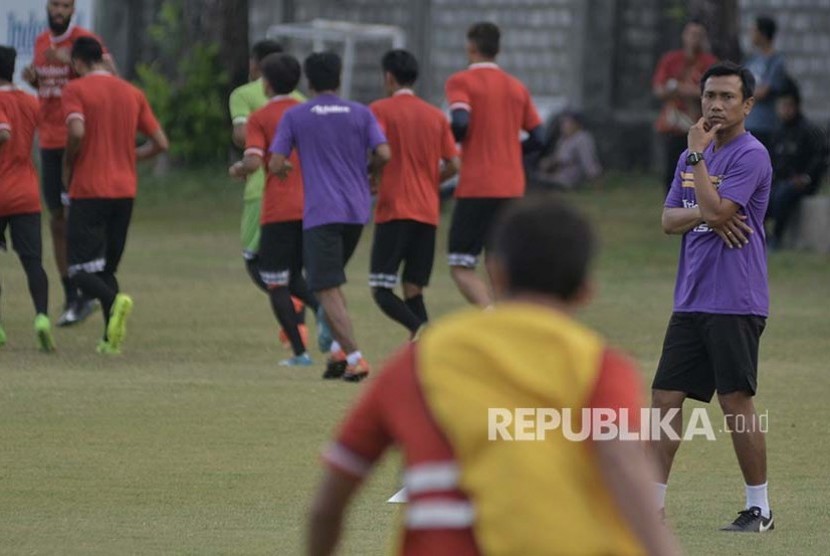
326	251
472	219
25	235
97	234
51	170
705	352
402	241
280	252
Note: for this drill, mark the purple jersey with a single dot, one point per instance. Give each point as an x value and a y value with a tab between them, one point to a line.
711	278
332	137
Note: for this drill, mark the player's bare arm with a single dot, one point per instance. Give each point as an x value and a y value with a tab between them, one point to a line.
238	135
75	138
629	476
327	512
156	144
30	76
245	167
280	166
380	157
449	169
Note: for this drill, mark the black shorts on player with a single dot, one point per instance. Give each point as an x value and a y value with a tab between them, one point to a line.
54	192
472	219
280	252
97	234
707	352
26	240
326	251
406	242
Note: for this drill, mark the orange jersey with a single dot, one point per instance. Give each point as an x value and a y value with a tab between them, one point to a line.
500	108
52	76
283	199
19	193
420	137
113	112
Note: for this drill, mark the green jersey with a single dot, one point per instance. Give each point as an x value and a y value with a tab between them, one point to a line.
244	101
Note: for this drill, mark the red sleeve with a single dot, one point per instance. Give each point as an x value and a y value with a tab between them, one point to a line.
364	436
457	95
619	386
5	121
531	118
73	108
378	113
147	122
256	136
448	147
661	73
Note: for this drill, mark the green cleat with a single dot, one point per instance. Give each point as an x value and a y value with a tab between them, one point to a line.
2	337
43	329
117	327
105	348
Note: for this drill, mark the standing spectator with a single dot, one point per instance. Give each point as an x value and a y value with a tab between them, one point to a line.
767	66
49	74
676	83
799	160
574	158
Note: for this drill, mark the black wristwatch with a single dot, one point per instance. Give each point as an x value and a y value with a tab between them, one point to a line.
694	158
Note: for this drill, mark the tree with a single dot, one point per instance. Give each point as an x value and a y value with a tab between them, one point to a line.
223	22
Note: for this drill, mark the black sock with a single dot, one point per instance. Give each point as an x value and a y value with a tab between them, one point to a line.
70	292
93	286
284	311
416	305
252	266
299	289
38	284
394	308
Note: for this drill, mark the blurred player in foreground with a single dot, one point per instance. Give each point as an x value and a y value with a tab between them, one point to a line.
335	139
19	195
470	492
408	204
280	259
103	114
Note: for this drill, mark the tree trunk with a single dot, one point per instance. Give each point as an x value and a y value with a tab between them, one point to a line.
224	22
721	18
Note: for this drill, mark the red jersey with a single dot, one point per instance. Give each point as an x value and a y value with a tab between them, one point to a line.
19	193
52	76
393	411
678	115
500	108
283	200
420	138
113	112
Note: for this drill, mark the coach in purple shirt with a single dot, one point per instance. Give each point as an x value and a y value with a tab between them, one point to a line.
339	144
717	202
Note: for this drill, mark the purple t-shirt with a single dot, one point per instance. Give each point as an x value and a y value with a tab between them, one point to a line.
333	138
711	278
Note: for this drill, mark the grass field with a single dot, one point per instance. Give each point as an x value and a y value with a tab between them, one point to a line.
195	442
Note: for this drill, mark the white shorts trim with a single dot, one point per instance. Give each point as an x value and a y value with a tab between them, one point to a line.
90	267
463	260
383	281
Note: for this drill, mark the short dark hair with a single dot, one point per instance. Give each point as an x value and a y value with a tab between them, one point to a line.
546	246
282	71
402	65
766	26
486	37
731	68
323	71
790	89
87	50
264	48
8	57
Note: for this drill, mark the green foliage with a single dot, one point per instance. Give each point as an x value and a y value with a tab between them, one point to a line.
189	96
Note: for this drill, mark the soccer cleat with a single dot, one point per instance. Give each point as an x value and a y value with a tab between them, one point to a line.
324	337
105	348
286	343
751	521
336	366
303	360
2	337
356	373
43	330
117	327
76	311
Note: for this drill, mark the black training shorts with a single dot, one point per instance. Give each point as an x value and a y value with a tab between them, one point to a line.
326	251
25	235
280	252
97	234
472	219
707	352
402	241
51	169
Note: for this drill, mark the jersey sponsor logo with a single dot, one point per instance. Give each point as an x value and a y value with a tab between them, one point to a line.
702	228
326	109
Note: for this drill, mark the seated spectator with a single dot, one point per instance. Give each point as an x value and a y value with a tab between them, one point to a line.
799	160
573	160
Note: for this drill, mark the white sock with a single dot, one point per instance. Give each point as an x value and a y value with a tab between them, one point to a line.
354	358
660	490
757	496
335	347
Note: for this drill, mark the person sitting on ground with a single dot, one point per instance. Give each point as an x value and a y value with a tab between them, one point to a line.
574	158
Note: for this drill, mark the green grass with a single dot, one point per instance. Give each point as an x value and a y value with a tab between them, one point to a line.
194	442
